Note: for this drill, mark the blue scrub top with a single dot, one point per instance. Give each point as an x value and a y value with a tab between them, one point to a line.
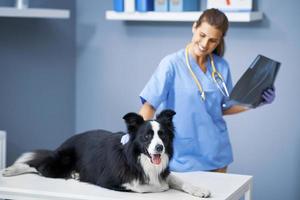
201	138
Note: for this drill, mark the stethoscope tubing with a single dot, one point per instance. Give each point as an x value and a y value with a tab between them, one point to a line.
214	72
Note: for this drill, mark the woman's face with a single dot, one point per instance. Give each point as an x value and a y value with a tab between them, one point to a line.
205	39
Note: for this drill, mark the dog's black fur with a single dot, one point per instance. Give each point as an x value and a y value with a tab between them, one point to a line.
99	157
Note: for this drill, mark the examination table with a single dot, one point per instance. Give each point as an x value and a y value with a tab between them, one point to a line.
35	187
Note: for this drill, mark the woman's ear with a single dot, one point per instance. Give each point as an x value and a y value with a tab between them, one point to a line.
194	27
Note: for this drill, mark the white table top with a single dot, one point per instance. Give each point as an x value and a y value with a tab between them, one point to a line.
34	187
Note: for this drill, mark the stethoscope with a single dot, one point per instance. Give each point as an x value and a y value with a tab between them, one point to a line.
217	77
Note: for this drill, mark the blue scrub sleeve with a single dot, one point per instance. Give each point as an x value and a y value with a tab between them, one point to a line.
157	88
226	103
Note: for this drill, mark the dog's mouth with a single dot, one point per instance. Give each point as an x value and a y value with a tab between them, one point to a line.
155	159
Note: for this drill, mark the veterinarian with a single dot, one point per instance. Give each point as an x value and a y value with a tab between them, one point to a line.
184	82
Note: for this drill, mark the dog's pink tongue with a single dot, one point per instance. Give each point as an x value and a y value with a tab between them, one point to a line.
156	159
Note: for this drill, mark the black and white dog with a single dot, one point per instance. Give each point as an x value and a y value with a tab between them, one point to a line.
98	157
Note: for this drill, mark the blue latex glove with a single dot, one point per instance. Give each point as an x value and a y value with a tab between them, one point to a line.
268	96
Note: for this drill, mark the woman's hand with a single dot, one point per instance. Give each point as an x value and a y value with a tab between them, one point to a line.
268	96
147	111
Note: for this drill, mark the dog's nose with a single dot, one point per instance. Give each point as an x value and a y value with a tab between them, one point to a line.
159	148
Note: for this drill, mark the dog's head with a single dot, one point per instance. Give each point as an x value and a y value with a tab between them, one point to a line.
153	138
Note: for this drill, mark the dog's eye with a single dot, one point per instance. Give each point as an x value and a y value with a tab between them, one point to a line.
147	136
161	134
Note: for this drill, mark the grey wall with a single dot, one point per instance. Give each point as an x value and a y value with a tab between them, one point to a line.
37	86
115	59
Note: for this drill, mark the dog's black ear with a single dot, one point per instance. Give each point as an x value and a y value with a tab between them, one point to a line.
133	121
166	116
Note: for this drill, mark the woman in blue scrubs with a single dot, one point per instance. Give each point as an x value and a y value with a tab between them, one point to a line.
183	82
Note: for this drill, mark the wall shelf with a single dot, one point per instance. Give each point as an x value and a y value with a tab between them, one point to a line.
34	13
179	16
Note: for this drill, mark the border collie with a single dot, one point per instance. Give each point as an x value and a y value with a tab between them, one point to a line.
98	157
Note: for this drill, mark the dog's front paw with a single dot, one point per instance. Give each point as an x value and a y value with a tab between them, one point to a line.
196	191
